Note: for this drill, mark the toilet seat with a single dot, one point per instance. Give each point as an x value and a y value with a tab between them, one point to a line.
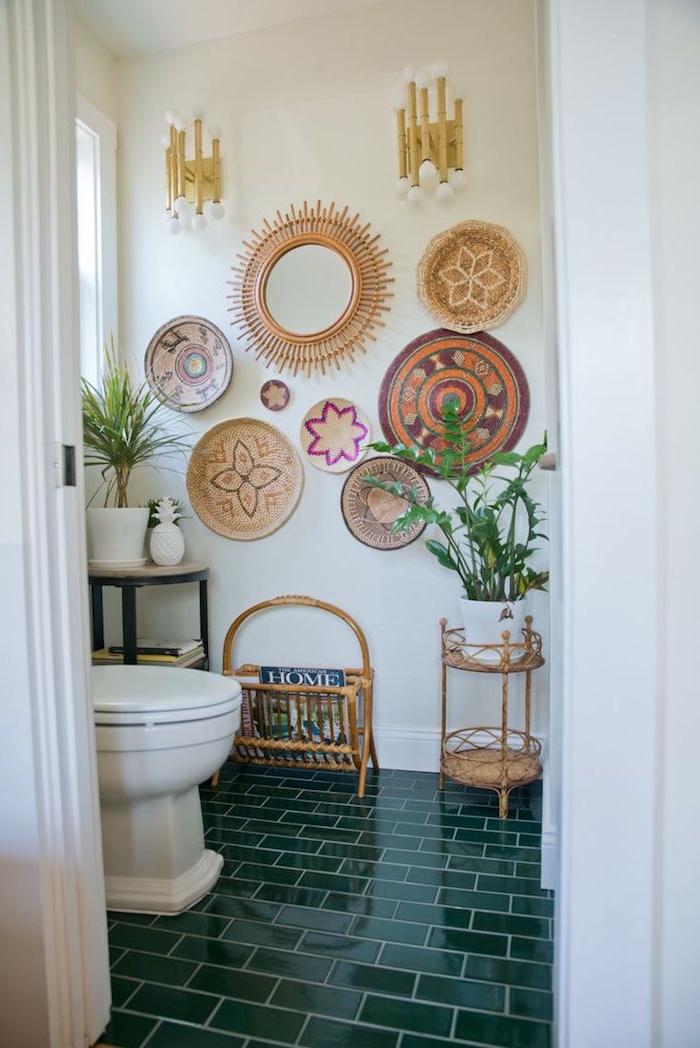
160	695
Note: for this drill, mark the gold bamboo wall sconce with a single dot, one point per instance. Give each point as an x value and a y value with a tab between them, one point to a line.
191	183
429	151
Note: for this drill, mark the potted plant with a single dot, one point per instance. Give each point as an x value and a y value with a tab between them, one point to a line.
490	534
124	426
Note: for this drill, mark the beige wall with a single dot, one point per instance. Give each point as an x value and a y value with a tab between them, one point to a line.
306	111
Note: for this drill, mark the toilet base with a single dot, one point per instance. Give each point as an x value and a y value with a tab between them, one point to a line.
164	895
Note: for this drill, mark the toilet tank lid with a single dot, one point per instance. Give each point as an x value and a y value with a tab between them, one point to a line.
131	689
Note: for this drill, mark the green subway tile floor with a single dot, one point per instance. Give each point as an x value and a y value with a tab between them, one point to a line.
408	919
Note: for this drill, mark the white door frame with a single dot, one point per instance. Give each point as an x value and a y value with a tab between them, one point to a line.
54	969
608	449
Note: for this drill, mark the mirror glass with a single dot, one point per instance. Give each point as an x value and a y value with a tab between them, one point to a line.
308	289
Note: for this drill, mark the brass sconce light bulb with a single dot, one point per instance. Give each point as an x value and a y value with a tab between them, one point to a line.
429	151
189	183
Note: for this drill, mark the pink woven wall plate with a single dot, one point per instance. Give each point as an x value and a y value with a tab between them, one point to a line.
335	434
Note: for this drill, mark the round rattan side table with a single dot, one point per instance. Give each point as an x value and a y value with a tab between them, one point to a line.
491	758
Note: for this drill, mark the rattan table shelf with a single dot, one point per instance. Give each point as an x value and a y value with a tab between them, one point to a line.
491	758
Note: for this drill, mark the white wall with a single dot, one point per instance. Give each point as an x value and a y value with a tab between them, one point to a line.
674	36
306	110
95	72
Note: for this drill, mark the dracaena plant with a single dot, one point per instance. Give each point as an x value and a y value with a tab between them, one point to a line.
124	426
493	530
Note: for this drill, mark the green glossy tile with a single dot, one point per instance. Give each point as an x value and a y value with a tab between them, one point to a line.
317	863
531	870
248	986
510	885
319	822
258	1020
406	1015
262	934
243	810
382	871
127	1031
207	924
474	900
465	993
150	968
122	989
281	893
502	1030
515	973
345	836
150	940
440	877
513	851
485	837
287	804
415	858
342	947
223	822
324	795
536	907
392	841
321	1000
456	850
329	1033
372	977
390	931
533	1004
291	844
421	959
242	853
170	1003
269	826
400	891
248	909
515	824
439	916
466	863
236	886
234	837
452	822
286	962
334	882
143	919
255	871
380	825
512	924
278	792
416	1040
173	1035
338	807
541	950
369	905
115	952
468	942
320	920
351	851
214	951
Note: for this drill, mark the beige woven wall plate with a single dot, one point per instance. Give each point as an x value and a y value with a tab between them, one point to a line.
471	277
348	244
244	478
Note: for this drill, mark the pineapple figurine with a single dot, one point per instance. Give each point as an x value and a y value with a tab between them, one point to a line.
167	541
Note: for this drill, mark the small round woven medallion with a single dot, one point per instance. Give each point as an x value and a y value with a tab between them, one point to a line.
244	478
477	371
274	394
370	512
471	277
188	363
335	434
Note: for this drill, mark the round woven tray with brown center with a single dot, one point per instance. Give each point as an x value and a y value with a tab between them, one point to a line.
244	478
471	757
472	276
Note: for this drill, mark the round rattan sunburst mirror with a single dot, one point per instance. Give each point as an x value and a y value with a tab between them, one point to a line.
309	288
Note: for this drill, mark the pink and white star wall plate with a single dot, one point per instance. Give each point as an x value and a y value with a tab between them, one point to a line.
335	434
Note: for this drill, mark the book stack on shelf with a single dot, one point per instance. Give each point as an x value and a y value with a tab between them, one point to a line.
156	652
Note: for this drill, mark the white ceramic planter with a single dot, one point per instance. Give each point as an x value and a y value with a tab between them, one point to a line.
484	622
167	544
116	537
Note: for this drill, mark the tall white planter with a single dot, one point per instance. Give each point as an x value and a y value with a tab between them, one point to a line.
485	620
116	537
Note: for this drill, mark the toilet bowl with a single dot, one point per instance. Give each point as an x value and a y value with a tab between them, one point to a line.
161	731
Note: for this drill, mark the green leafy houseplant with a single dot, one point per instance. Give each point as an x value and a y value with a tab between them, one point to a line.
153	518
124	426
493	530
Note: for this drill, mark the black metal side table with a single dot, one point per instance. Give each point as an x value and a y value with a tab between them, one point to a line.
128	580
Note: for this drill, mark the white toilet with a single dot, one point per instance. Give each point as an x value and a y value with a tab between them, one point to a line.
160	732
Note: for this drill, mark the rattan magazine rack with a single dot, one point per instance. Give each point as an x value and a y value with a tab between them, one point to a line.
318	726
492	758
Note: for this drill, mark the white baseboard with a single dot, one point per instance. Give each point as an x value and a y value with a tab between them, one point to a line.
413	749
550	860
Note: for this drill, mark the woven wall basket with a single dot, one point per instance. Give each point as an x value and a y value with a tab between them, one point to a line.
244	478
471	277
